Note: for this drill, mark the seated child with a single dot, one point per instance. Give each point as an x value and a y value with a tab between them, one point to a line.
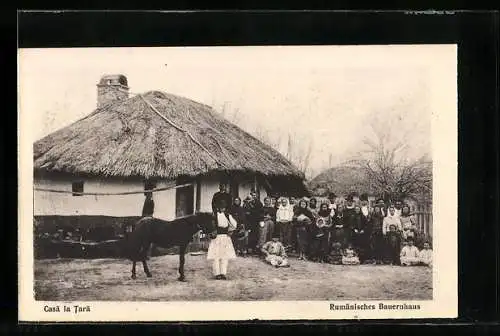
425	256
240	240
350	257
393	245
335	255
274	252
409	254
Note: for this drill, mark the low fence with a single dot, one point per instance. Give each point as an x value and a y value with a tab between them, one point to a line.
91	237
423	216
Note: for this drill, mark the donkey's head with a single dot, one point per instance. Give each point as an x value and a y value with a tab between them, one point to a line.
204	221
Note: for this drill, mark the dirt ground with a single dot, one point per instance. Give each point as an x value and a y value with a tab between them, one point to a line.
249	279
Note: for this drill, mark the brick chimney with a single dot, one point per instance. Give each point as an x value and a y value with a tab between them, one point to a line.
111	88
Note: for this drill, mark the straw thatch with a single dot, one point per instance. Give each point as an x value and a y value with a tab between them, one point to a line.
341	180
129	139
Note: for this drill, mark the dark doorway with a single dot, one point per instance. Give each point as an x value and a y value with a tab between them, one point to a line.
234	189
184	199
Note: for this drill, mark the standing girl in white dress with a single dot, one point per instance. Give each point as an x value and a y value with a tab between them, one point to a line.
221	248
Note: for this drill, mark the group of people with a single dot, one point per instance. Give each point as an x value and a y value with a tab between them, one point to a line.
326	232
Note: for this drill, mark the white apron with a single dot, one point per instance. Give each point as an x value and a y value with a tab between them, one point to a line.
222	246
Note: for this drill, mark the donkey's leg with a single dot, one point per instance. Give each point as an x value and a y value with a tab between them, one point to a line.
182	252
146	269
133	270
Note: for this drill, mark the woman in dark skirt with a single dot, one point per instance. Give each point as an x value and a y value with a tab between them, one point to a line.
360	234
321	235
303	219
377	237
240	236
338	229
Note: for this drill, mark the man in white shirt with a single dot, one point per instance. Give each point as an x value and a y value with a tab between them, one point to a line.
365	209
398	205
332	205
391	219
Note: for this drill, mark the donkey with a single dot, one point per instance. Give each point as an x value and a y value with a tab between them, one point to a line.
150	230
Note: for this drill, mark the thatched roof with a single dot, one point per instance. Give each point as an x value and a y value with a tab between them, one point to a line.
341	180
129	139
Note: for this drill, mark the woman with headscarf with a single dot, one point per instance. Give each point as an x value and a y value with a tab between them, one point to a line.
240	235
284	217
303	218
360	233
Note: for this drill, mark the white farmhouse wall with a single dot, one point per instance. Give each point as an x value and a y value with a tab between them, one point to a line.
49	203
244	189
65	204
164	201
246	186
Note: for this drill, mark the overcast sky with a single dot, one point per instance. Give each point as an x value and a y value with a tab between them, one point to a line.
323	94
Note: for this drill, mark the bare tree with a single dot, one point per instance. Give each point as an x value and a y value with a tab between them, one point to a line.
384	158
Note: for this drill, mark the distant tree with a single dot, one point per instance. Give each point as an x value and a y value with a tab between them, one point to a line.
299	153
389	168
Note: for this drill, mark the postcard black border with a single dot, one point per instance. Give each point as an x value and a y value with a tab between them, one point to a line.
477	36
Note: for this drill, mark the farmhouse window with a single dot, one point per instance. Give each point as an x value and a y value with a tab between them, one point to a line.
77	188
184	199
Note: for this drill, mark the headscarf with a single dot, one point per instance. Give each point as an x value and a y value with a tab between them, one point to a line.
280	200
284	212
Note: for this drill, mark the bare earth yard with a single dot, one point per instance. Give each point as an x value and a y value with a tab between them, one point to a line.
249	279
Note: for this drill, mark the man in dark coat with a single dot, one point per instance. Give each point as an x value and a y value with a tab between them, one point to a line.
254	214
222	196
349	217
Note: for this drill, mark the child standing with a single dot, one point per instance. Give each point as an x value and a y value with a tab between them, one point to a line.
393	239
409	254
221	248
350	256
274	252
